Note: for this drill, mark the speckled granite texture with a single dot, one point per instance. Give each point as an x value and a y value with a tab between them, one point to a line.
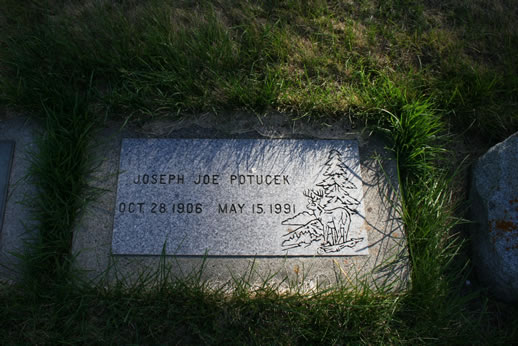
236	197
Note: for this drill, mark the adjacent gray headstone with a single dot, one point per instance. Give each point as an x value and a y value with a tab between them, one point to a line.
6	158
494	194
239	197
18	225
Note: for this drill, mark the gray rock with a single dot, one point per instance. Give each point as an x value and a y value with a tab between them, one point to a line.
494	195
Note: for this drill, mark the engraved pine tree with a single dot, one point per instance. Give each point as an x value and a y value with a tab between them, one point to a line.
329	211
336	185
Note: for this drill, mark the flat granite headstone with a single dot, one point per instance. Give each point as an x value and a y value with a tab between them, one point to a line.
239	197
18	136
6	158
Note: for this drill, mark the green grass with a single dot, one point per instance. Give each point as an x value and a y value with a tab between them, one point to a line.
422	74
59	168
189	311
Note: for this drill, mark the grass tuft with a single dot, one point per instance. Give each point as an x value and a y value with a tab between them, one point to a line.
59	169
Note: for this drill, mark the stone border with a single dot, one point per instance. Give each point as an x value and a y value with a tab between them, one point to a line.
388	262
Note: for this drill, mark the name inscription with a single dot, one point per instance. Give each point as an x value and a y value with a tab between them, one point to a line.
238	179
239	197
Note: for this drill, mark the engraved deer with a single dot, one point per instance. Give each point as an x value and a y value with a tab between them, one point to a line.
334	220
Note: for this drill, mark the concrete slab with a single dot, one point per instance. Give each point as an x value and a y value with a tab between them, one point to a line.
386	265
17	217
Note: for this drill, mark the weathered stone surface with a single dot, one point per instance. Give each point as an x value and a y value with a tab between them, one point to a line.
17	218
6	158
235	197
494	195
386	264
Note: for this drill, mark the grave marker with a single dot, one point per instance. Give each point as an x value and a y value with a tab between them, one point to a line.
239	197
6	158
